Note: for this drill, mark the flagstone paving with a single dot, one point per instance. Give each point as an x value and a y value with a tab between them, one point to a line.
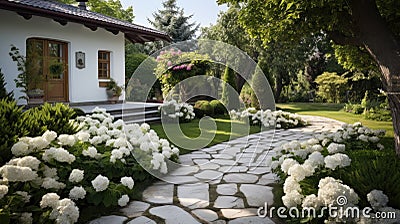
225	183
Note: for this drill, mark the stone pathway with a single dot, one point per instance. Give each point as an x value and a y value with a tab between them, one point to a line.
225	183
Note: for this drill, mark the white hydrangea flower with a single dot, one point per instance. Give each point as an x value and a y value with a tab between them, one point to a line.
76	175
49	172
20	149
291	185
380	146
312	201
58	154
26	161
100	183
91	152
38	143
25	218
65	139
49	135
287	163
25	196
3	190
123	201
127	181
49	200
292	199
145	127
377	199
330	189
65	212
77	193
315	159
17	173
335	148
51	183
82	136
337	160
298	172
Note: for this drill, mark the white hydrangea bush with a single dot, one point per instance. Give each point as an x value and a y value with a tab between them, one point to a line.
319	158
95	166
172	109
269	119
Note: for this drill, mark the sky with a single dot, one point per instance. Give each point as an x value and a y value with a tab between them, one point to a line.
204	12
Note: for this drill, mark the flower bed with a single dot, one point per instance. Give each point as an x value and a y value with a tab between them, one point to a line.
172	110
54	175
311	173
268	118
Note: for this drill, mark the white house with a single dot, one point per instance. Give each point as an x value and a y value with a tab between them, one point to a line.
91	45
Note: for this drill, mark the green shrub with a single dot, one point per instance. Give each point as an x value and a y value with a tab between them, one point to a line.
132	62
218	107
47	117
354	108
331	87
202	108
11	128
228	95
3	91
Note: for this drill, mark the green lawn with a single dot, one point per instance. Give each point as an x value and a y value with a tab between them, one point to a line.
198	134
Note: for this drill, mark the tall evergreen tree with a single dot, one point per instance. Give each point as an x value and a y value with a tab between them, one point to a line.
171	20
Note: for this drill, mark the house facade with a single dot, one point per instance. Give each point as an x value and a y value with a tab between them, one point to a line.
90	47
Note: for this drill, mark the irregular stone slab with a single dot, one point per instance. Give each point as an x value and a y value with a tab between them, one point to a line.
159	194
222	156
173	215
227	189
223	162
267	179
233	169
206	214
208	175
231	151
252	220
194	195
228	202
184	170
232	213
218	222
215	181
209	166
257	195
109	219
135	209
201	161
181	179
240	178
142	220
259	170
200	155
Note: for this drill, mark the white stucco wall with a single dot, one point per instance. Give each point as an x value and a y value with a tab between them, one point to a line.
83	83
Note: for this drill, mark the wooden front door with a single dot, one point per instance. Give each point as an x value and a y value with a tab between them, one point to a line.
54	62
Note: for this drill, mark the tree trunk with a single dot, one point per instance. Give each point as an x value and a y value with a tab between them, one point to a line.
278	87
377	38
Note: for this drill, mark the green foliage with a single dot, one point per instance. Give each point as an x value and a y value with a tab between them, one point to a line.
229	94
372	106
114	87
50	117
3	90
331	87
247	96
174	66
203	108
354	108
218	107
12	126
171	20
132	62
111	8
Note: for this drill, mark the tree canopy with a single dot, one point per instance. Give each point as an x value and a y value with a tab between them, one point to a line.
367	30
171	19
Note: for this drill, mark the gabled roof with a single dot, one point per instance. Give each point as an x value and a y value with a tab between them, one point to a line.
63	13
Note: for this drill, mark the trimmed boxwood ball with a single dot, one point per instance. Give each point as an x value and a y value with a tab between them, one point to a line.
218	107
203	107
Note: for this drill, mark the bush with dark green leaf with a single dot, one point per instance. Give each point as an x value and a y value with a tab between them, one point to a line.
12	126
218	107
3	90
203	108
